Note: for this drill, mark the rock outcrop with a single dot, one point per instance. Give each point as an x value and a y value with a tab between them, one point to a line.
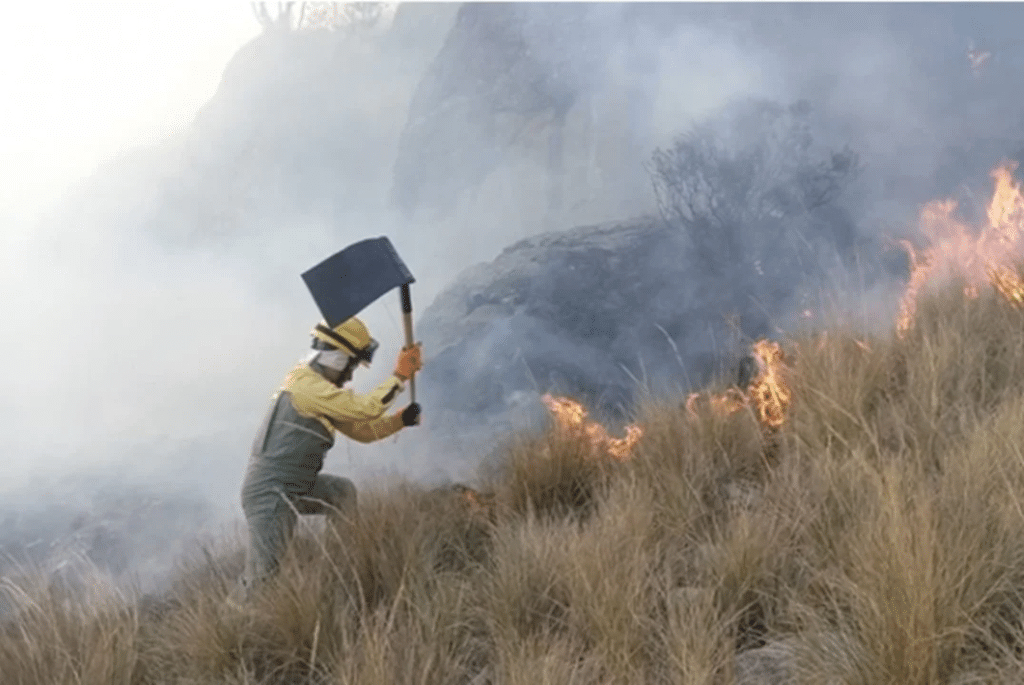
602	313
535	94
605	314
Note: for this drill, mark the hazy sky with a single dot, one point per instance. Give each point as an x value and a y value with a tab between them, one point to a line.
84	81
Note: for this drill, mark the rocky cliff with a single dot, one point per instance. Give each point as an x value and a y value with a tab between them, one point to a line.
539	106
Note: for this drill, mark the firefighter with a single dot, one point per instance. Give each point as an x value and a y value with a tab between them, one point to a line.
283	477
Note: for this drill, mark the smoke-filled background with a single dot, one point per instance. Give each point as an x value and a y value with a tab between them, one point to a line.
169	172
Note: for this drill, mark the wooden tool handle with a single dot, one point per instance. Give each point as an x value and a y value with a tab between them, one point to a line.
407	323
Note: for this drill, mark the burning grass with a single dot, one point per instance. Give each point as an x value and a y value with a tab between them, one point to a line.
571	420
851	513
981	255
766	392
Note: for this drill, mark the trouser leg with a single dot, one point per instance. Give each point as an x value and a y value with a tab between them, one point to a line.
270	530
331	495
271	521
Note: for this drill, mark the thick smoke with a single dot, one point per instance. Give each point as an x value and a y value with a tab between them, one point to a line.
148	317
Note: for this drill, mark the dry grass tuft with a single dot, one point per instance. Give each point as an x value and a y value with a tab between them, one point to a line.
68	628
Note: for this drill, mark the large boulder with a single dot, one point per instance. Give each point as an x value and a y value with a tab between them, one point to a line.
602	313
607	314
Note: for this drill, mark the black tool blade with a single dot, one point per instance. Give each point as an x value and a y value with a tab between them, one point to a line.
346	282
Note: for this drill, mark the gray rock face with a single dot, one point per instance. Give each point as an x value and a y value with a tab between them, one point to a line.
520	93
485	71
588	312
604	314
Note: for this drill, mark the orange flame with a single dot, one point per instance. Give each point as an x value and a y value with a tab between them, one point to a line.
476	502
570	417
1008	283
729	402
768	393
953	247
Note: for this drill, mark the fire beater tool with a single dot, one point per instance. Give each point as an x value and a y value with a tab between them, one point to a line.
348	281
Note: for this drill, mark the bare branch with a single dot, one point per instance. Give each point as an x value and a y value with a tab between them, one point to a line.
754	168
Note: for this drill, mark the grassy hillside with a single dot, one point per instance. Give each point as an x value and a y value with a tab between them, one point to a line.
876	537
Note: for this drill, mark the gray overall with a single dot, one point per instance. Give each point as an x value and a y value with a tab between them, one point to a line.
283	480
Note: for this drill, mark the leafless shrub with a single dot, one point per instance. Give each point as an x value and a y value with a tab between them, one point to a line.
342	17
744	185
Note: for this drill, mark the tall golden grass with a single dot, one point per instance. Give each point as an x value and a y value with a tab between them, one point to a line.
878	539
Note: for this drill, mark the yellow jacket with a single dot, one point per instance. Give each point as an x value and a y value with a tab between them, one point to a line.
360	417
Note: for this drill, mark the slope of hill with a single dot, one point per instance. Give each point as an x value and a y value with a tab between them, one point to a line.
865	529
876	536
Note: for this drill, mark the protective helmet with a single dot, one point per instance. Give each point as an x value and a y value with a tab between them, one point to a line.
351	336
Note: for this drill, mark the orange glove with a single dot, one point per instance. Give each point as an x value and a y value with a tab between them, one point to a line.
409	361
